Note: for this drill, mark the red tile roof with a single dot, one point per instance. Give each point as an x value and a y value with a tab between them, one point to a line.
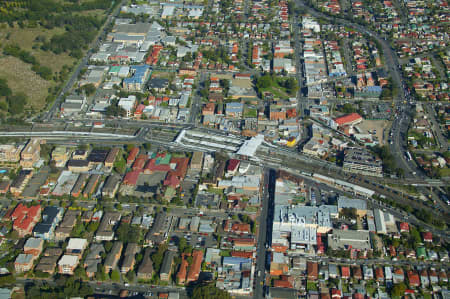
413	278
181	168
233	164
243	254
348	119
404	226
427	237
132	155
140	162
195	268
345	271
25	218
131	177
172	181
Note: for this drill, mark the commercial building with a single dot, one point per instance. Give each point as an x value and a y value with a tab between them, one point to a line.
348	120
60	156
345	239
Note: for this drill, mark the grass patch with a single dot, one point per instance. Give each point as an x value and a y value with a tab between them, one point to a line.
277	92
19	74
215	191
406	188
444	172
311	286
251	209
250	112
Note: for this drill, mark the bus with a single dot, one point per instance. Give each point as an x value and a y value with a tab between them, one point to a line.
408	156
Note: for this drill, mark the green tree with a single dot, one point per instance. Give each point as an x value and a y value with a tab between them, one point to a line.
108	246
264	81
89	89
7	279
130	276
158	256
16	103
92	226
209	291
5	91
398	289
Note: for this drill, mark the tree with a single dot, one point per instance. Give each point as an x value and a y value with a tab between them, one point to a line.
115	275
209	291
348	108
120	165
108	246
92	226
7	279
130	276
182	243
158	256
89	89
398	289
264	82
348	213
16	103
5	91
101	274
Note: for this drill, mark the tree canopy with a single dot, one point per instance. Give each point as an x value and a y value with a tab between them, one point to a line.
209	291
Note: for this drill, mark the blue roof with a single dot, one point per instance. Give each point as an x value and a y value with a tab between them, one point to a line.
235	260
234	107
138	74
374	88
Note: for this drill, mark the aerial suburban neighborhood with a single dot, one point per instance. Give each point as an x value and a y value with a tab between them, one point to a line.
224	149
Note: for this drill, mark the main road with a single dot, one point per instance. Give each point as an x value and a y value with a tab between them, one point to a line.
83	63
260	273
392	63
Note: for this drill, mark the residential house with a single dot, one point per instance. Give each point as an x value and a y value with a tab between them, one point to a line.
145	270
105	231
24	262
33	246
166	267
312	270
67	224
24	218
194	269
113	256
51	216
129	257
67	264
76	246
30	154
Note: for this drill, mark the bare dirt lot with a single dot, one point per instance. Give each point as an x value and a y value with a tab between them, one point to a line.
379	125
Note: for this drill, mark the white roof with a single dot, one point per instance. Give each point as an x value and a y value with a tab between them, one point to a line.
250	146
70	260
76	243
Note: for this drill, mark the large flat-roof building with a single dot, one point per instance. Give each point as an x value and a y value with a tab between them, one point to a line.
345	239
